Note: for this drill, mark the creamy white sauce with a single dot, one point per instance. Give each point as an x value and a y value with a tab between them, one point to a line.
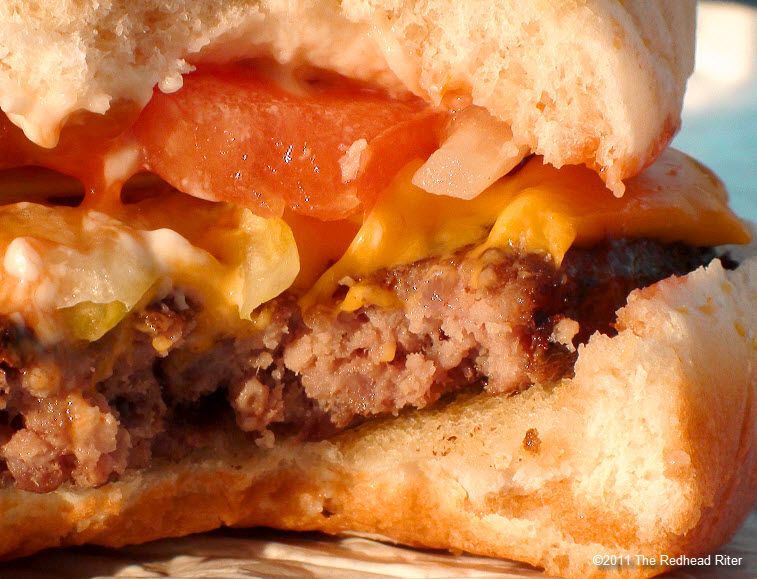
171	83
45	294
121	164
22	261
167	248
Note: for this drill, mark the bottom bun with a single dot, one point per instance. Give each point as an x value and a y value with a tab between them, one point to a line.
650	450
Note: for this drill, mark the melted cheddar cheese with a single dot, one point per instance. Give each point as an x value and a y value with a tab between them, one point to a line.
538	209
74	273
80	270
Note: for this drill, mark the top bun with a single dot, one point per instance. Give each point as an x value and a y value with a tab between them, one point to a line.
598	82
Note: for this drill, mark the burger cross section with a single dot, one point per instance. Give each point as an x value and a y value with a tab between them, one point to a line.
278	283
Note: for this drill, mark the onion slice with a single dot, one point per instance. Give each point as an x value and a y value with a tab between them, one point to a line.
478	150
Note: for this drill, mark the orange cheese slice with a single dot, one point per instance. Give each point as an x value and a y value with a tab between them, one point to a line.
538	209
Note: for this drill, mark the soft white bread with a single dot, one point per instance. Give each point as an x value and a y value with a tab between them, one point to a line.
651	449
599	82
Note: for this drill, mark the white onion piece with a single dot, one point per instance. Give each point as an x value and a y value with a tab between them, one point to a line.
349	163
478	151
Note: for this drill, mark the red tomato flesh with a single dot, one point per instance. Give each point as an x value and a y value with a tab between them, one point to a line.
84	142
230	134
233	134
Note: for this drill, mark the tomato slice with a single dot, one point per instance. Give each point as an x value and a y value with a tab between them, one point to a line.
11	144
232	134
84	142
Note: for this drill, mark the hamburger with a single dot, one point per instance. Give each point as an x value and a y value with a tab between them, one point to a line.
425	271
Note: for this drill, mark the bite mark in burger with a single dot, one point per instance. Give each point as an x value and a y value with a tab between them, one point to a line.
283	262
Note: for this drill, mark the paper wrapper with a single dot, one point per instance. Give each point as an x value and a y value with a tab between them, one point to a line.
263	553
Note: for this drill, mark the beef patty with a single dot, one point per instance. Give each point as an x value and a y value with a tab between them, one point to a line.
86	412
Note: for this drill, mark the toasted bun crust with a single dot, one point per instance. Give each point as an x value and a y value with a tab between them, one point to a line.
651	449
598	82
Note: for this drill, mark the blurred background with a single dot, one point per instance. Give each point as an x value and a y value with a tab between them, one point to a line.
720	110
